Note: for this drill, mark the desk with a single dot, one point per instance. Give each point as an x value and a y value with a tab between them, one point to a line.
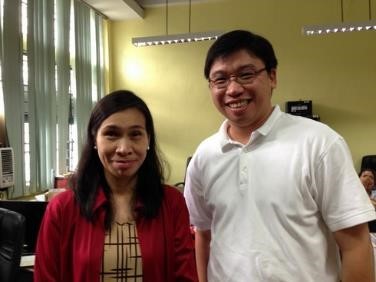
26	269
60	182
27	261
25	275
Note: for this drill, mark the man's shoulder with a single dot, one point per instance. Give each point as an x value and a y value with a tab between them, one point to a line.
305	125
210	142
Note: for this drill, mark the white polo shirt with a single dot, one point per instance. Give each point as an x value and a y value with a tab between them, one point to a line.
272	204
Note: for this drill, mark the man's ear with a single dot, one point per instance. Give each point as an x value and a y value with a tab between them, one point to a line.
273	78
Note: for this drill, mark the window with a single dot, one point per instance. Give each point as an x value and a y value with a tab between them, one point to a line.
48	87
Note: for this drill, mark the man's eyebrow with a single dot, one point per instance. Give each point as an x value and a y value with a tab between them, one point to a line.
242	67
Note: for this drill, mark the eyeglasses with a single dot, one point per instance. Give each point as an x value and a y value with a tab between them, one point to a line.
245	77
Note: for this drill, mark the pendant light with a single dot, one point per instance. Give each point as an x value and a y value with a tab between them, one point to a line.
175	38
369	25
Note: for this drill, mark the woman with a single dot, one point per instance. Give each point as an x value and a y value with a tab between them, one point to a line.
119	222
367	177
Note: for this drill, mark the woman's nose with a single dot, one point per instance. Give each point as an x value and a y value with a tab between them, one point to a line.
124	146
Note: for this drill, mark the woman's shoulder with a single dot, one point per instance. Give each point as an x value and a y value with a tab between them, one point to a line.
64	200
173	197
63	196
172	192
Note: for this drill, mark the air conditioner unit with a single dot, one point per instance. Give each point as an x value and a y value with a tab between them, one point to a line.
6	167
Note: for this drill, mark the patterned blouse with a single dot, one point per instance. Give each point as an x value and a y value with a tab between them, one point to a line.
122	260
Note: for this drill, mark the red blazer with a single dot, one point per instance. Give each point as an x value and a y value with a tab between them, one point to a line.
70	248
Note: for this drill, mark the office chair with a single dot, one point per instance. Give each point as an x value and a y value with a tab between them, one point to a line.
181	184
12	228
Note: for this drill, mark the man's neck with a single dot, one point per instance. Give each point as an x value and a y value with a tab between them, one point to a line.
242	134
238	134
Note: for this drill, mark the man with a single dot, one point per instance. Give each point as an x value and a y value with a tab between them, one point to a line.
272	195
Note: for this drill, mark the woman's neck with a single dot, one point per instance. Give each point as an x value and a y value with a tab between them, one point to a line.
122	198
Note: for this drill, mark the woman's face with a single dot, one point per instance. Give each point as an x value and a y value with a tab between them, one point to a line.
368	180
122	143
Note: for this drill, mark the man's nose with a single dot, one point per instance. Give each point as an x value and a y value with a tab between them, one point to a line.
234	87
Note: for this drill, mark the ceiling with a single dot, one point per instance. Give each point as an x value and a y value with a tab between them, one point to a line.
119	10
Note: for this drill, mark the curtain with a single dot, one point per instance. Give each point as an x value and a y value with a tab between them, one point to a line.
43	103
83	70
41	94
63	81
99	73
13	89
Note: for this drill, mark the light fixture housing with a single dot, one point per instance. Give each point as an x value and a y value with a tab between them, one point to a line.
338	28
175	38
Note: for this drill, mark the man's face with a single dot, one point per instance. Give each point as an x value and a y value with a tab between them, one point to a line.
247	105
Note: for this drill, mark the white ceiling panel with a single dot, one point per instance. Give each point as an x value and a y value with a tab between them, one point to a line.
118	10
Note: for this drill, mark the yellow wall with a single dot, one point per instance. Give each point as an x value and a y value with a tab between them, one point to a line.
337	72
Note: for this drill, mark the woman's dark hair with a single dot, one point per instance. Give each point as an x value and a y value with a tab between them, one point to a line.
89	175
368	169
237	40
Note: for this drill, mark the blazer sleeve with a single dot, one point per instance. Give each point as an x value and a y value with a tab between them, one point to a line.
47	259
184	265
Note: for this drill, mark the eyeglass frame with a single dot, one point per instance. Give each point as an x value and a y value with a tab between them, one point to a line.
235	77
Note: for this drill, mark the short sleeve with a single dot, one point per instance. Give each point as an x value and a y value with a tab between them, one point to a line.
200	214
341	197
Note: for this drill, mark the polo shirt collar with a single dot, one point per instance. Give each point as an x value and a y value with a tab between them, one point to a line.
226	142
267	126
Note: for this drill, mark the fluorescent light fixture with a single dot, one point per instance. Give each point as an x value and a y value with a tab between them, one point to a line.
338	28
175	38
